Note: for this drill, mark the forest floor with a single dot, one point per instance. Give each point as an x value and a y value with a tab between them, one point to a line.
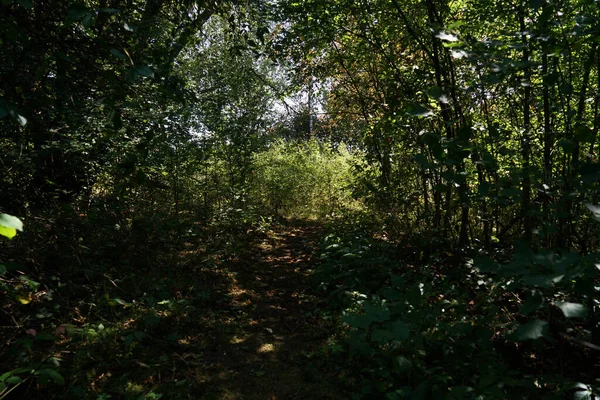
225	313
259	337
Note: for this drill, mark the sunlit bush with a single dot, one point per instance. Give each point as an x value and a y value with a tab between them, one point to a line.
308	179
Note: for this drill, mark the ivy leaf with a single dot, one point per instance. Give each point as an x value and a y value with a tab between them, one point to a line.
572	310
532	330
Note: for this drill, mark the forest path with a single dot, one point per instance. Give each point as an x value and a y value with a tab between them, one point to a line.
257	341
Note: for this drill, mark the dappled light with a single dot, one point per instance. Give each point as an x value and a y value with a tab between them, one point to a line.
273	200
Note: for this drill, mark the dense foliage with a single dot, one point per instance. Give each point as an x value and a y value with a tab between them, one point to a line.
151	150
306	179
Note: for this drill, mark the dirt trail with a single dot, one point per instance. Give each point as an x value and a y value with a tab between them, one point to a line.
257	341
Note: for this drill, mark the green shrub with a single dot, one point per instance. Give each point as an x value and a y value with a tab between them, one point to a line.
307	179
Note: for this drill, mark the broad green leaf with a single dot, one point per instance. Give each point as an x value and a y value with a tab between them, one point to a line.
572	310
53	375
11	222
358	321
584	134
117	53
2	269
532	304
13	380
88	21
400	330
437	94
567	145
76	12
8	232
532	330
382	336
485	264
144	70
377	312
417	110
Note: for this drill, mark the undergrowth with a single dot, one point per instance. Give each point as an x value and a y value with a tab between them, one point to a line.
104	309
447	329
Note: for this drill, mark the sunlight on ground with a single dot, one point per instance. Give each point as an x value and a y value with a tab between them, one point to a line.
237	340
266	348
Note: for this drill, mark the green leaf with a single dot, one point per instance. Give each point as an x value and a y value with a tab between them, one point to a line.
382	336
8	232
117	53
358	321
11	222
584	134
572	310
53	375
532	330
567	145
437	94
400	330
144	70
45	337
532	304
88	21
13	380
33	285
377	312
417	110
